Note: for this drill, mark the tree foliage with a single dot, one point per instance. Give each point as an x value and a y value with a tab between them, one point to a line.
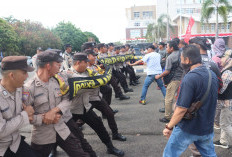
8	38
157	31
93	36
219	8
69	34
33	35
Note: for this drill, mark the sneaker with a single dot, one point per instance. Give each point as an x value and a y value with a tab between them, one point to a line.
143	102
219	144
217	127
162	110
164	120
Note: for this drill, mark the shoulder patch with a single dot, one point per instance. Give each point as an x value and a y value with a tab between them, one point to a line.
25	96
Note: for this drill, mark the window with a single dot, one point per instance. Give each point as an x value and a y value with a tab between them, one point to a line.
189	10
207	27
146	23
136	24
147	14
144	32
228	26
136	14
202	27
222	27
135	33
212	28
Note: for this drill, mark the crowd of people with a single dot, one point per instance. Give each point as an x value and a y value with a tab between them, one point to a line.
194	80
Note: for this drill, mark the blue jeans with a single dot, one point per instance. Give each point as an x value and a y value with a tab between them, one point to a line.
148	81
180	140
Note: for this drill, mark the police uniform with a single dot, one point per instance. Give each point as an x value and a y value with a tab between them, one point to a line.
12	117
128	69
67	60
82	105
114	80
44	96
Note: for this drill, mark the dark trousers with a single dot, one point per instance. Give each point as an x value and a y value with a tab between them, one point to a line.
74	128
72	146
96	124
131	73
107	93
116	87
121	78
107	111
24	150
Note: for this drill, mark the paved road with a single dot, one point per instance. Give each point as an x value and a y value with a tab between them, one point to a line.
140	124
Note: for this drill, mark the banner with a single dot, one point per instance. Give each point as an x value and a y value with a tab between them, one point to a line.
188	31
77	83
117	59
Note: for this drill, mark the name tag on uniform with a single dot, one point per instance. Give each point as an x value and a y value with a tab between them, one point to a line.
38	95
4	110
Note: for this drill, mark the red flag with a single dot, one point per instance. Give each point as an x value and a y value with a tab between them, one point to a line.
188	31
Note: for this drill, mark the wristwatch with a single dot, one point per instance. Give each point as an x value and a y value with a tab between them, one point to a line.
166	126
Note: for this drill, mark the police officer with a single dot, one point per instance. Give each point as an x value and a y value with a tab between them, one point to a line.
67	57
38	51
52	122
82	109
114	81
118	73
13	113
88	46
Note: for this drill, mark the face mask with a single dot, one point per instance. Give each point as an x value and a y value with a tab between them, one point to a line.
186	67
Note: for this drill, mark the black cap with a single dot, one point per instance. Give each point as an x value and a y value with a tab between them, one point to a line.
151	46
67	45
90	52
49	56
39	48
110	44
80	57
162	43
123	47
117	48
87	45
16	63
101	45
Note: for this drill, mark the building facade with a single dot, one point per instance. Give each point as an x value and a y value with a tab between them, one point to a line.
138	18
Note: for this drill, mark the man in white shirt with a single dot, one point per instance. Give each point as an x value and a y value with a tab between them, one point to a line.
152	59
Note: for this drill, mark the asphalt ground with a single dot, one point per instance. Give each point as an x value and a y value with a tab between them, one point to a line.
139	123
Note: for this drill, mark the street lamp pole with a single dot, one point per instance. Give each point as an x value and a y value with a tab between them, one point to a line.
167	23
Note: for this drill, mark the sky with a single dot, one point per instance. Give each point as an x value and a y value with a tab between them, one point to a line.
105	18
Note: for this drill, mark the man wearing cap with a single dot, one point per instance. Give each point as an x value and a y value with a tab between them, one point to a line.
87	46
67	57
13	113
52	122
101	104
127	68
82	109
163	54
114	78
38	51
152	59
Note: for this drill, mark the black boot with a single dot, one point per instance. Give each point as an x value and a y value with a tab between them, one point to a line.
54	152
128	90
115	111
118	137
123	97
132	83
112	150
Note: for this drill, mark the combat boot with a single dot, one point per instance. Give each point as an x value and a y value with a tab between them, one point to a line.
112	150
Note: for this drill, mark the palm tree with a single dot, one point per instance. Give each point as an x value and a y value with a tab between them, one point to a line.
158	31
220	7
